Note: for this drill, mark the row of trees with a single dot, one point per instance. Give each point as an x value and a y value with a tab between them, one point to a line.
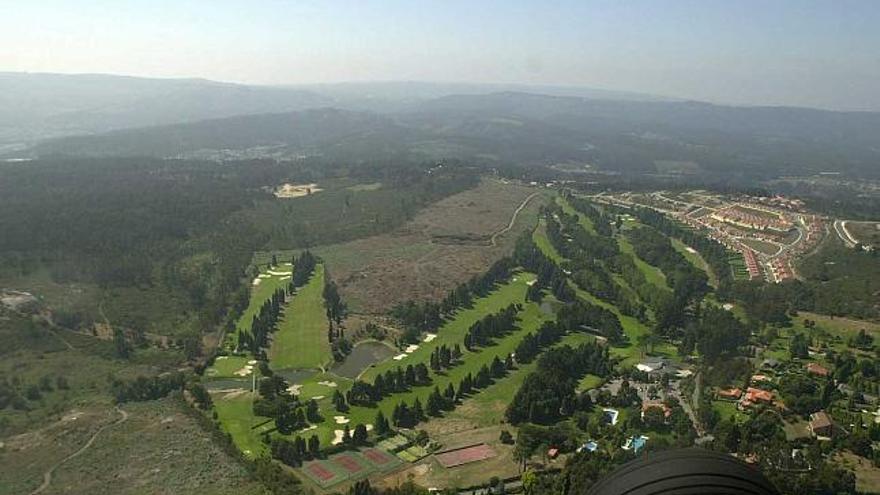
491	326
585	316
531	345
262	324
294	452
303	267
550	276
425	316
391	382
405	415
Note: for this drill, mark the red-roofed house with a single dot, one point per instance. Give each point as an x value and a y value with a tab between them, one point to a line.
817	369
754	396
730	393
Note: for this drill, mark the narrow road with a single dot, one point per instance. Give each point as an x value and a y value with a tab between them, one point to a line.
512	219
844	234
47	476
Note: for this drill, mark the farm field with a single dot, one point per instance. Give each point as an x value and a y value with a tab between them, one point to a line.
301	338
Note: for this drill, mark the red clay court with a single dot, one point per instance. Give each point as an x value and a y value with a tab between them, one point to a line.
465	455
348	463
377	457
320	472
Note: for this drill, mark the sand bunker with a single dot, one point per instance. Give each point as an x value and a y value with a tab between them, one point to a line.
256	282
291	190
399	357
285	278
279	274
318	397
294	389
411	349
531	282
221	358
252	362
327	384
247	370
337	437
341	420
429	337
690	250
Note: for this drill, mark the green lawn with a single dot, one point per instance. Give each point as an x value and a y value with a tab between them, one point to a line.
590	382
301	338
727	409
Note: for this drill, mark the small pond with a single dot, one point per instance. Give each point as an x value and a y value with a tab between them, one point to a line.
362	357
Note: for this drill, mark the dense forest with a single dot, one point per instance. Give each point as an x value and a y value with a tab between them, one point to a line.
186	230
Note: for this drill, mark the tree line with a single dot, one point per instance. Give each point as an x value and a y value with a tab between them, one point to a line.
549	393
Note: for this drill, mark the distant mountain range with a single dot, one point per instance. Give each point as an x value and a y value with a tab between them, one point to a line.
604	131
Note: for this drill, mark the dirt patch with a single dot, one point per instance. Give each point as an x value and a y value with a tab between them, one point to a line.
867	476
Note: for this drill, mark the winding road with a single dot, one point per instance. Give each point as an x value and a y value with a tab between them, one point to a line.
505	230
47	476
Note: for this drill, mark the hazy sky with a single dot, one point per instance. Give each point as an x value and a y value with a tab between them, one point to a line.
792	52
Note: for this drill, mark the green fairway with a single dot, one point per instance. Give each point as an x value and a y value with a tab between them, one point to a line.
236	415
450	334
695	259
584	222
543	243
301	338
631	353
226	366
488	406
653	275
260	293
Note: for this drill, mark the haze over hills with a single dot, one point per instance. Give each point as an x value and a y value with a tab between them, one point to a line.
365	121
38	106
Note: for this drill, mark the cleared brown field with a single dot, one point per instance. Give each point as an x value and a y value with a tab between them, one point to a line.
867	233
160	448
445	244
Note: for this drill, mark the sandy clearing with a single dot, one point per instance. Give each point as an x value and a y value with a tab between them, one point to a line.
291	190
